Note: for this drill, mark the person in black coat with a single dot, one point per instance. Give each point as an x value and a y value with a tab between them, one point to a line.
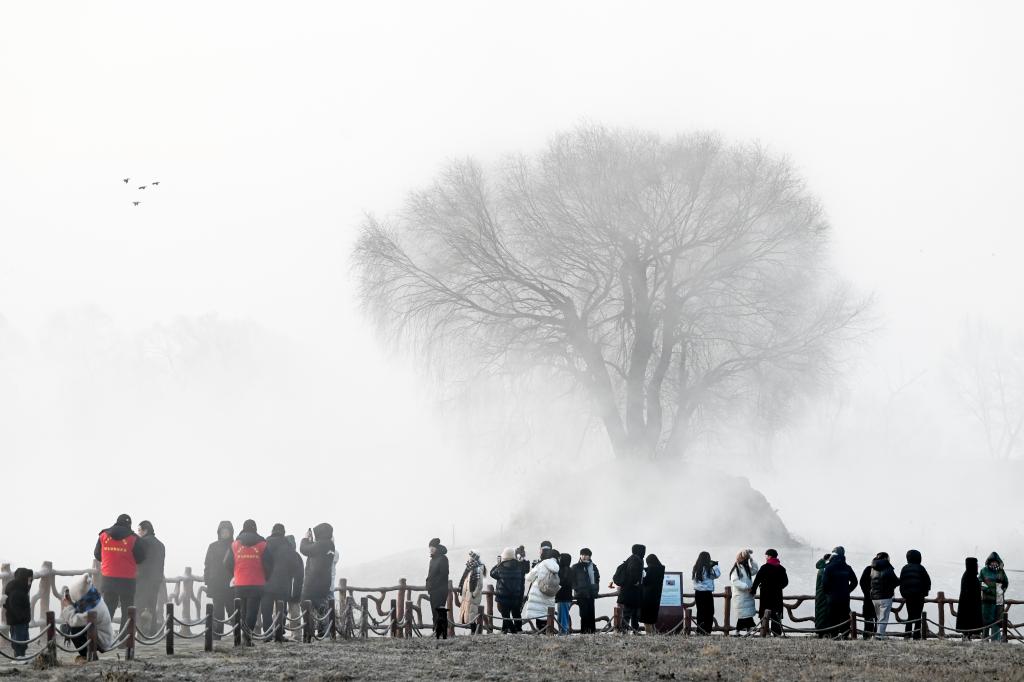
18	608
508	590
915	584
318	546
867	611
586	583
772	579
437	587
216	576
883	587
654	579
284	583
838	582
968	609
150	579
563	598
629	578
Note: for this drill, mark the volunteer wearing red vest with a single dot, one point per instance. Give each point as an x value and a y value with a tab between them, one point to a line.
119	553
250	564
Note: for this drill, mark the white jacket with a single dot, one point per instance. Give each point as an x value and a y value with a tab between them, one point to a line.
537	602
742	596
104	626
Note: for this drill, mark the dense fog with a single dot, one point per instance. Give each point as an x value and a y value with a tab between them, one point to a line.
203	356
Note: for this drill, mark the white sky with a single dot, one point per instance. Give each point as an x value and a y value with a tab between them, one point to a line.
274	127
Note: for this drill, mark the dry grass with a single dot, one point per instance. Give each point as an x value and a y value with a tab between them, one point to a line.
555	658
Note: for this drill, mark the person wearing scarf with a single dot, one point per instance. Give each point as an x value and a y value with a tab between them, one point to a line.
771	578
81	599
471	585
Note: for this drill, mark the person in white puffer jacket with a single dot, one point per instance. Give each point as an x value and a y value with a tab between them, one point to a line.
538	600
742	576
81	599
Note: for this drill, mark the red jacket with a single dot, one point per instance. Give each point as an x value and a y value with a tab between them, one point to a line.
249	563
117	555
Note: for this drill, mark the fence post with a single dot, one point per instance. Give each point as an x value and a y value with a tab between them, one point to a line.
687	621
46	585
480	619
208	633
393	628
90	647
617	617
332	620
924	626
364	618
1006	626
408	619
281	621
169	634
853	625
237	621
400	605
941	600
489	594
51	636
129	650
765	620
186	600
727	609
450	603
549	625
343	602
307	621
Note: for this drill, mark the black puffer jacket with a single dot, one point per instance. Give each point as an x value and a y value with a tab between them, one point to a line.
631	573
18	605
915	583
320	562
883	579
285	580
581	580
509	583
437	578
215	574
838	580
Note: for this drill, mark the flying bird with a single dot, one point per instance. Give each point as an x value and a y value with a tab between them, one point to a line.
142	187
126	180
155	182
136	203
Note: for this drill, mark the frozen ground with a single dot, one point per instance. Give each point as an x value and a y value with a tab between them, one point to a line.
551	658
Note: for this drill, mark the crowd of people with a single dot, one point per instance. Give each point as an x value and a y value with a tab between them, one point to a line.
270	578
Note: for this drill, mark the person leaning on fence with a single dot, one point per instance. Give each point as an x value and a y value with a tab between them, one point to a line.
704	573
437	587
629	579
586	583
839	581
915	584
993	583
284	581
150	578
249	564
867	611
564	597
508	590
542	586
653	581
18	608
968	608
884	582
80	599
820	598
119	553
318	547
771	579
217	577
742	576
471	588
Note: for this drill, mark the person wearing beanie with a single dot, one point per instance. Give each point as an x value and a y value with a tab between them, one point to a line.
915	584
994	582
321	555
216	575
586	584
284	581
437	587
150	580
508	590
629	578
838	582
80	599
742	576
18	608
249	564
471	587
119	553
884	582
771	579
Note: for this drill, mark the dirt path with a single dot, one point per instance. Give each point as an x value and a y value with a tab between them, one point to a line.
554	658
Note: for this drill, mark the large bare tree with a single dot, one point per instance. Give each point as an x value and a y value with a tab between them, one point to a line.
664	277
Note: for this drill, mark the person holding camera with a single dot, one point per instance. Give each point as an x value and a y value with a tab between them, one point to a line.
509	581
318	547
705	572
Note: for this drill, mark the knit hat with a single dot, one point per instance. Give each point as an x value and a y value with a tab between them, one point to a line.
434	542
839	551
546	543
79	586
508	554
124	520
249	525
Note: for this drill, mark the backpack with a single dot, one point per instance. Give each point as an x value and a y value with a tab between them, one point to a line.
549	583
620	575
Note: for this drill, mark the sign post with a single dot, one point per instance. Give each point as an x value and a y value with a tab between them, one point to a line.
671	612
